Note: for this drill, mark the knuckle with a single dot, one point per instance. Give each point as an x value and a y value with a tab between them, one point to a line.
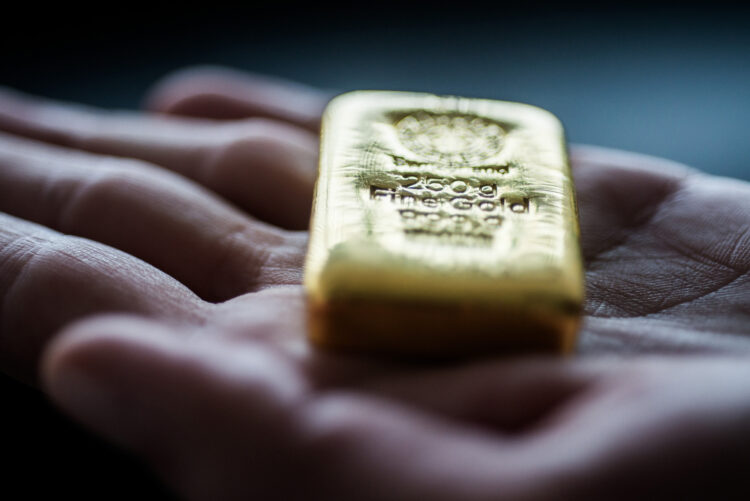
109	183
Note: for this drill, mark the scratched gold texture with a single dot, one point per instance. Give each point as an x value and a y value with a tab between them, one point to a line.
442	226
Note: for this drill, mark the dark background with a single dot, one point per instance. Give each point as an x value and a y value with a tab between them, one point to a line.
664	79
671	80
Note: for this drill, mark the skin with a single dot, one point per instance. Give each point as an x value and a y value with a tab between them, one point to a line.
150	268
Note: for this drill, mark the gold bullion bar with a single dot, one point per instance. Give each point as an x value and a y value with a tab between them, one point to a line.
442	226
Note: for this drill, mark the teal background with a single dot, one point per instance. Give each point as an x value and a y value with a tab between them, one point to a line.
670	80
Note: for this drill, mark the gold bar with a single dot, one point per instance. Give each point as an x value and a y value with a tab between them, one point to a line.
442	227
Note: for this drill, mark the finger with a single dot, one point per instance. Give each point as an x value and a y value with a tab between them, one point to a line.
155	215
243	423
266	167
222	93
48	279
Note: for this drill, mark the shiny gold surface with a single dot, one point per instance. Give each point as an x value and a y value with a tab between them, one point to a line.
442	226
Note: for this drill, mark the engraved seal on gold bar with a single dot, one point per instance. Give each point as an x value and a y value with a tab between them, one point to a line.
442	226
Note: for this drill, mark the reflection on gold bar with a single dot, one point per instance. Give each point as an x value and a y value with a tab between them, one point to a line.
442	226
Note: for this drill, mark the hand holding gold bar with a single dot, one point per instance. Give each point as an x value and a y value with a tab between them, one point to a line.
443	226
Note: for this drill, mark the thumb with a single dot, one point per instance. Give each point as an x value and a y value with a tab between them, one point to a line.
222	421
198	412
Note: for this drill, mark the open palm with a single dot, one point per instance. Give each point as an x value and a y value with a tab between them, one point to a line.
188	234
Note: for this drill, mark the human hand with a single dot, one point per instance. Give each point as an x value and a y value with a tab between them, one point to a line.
667	265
